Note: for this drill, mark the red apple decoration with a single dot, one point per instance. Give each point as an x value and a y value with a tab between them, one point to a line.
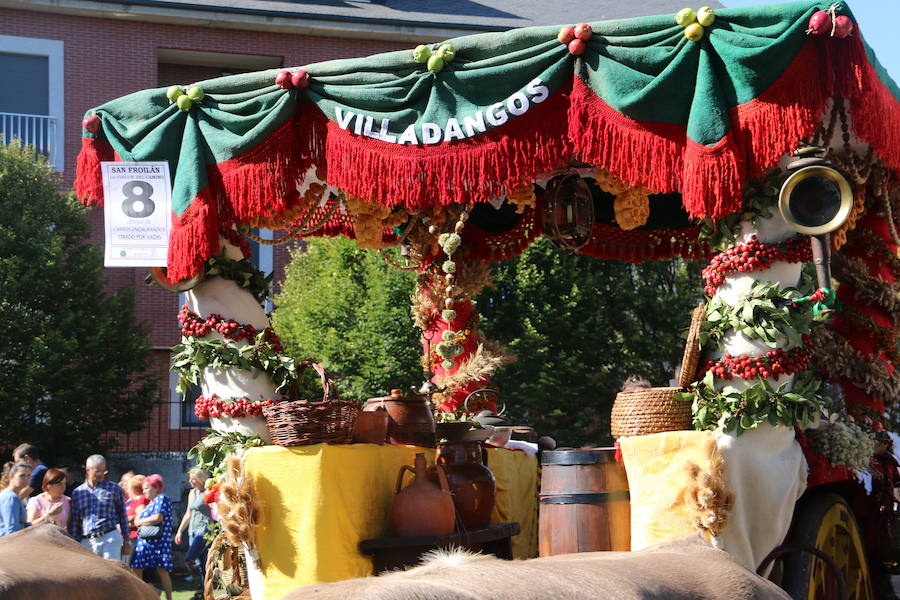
819	23
300	79
91	123
566	35
843	26
583	31
283	80
577	47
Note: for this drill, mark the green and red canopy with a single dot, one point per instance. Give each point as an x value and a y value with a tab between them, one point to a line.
643	101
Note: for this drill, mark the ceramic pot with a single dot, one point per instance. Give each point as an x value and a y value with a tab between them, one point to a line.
471	482
423	507
409	419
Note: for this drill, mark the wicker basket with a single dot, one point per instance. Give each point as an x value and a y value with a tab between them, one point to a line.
301	422
654	410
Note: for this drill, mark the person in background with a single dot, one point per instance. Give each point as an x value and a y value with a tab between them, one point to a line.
135	503
197	519
123	480
29	454
155	552
52	502
98	518
12	509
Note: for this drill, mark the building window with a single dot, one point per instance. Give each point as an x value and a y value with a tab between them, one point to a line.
33	109
181	407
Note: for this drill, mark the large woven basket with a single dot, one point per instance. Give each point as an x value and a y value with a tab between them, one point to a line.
302	422
654	410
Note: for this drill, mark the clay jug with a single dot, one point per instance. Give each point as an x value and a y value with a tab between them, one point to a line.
409	418
422	508
471	482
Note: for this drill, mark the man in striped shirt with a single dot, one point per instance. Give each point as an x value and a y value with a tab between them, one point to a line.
98	518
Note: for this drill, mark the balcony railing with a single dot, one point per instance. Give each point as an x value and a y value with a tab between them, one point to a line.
32	130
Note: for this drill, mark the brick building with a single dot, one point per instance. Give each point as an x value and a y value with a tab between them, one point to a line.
66	56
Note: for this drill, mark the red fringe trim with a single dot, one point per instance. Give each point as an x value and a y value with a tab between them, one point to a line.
194	237
639	245
476	169
88	176
874	111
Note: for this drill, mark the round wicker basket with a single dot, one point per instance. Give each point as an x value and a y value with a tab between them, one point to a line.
654	410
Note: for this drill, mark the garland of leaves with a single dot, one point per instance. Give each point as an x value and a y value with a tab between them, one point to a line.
193	355
869	244
193	326
754	256
867	290
885	339
743	410
767	313
759	198
212	451
243	273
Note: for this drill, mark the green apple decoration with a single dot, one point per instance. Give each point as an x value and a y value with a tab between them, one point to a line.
685	17
446	52
184	102
694	32
706	16
173	93
196	94
422	53
435	63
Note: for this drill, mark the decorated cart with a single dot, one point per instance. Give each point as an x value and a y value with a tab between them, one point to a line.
641	139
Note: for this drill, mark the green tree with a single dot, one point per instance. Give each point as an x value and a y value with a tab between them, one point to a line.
70	352
350	310
580	326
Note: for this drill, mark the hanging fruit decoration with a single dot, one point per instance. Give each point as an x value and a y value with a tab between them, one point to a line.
91	123
437	60
287	80
575	38
450	347
185	101
828	22
695	22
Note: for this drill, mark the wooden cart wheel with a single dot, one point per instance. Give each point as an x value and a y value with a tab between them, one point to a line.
824	521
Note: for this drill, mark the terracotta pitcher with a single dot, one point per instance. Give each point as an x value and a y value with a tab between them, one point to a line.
422	508
471	482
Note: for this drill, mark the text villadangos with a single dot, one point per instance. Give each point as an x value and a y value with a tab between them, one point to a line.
432	133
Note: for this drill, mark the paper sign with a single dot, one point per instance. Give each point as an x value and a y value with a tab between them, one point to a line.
137	213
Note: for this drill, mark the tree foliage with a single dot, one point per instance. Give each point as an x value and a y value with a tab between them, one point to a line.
70	351
350	310
579	327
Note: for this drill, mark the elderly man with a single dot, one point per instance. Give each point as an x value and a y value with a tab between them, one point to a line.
29	454
98	518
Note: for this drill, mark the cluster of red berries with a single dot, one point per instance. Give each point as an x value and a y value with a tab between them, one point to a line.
754	256
239	241
193	325
772	364
216	407
211	495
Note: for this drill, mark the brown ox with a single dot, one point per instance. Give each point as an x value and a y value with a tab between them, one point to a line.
40	563
686	569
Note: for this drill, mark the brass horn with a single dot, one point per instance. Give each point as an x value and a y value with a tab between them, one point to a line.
815	200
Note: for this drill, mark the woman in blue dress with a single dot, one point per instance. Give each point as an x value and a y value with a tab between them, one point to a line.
155	552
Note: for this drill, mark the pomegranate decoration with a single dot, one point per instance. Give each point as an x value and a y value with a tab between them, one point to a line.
843	27
283	80
819	23
566	35
91	123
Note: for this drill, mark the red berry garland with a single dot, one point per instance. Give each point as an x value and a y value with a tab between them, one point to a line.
239	241
193	326
754	256
772	364
216	407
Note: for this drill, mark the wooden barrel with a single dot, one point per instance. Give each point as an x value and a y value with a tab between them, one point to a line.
584	504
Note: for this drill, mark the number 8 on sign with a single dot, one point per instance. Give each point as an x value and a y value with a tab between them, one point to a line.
137	203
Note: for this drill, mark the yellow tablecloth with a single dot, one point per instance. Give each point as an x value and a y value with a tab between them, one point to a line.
657	477
320	501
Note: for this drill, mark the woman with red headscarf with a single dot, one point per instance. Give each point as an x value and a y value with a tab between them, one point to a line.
154	523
